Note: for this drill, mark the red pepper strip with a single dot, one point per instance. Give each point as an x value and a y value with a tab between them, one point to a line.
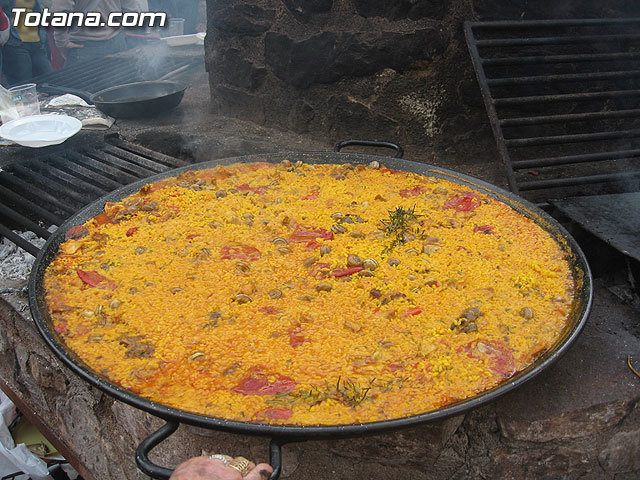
320	270
346	271
465	202
312	245
251	385
295	338
94	279
79	231
274	413
412	311
394	367
261	190
269	310
311	196
413	192
131	231
252	167
56	304
300	235
191	237
103	219
483	229
501	360
61	328
261	386
239	251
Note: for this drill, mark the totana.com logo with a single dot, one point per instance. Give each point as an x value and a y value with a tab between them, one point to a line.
47	18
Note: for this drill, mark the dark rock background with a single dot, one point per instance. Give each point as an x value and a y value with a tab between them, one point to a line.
396	70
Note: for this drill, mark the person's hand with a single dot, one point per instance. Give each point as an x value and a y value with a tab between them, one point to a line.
65	51
218	468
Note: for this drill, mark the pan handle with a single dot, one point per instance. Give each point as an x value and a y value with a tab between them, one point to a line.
164	432
370	143
275	457
148	444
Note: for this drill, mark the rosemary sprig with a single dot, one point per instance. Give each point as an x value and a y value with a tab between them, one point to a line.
351	393
398	224
314	395
347	392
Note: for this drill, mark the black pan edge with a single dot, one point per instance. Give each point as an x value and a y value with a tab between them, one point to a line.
119	90
578	315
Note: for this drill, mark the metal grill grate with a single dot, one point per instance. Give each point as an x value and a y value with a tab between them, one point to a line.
42	191
96	75
563	99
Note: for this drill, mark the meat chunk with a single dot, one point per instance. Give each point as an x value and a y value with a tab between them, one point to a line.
136	346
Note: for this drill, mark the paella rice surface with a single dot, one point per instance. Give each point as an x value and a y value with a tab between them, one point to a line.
308	294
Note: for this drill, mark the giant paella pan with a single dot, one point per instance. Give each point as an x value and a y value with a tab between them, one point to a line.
308	295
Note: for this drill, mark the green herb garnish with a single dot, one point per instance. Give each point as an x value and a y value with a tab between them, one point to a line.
399	224
347	392
351	393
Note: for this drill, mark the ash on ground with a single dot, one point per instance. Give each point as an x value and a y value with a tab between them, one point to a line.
15	263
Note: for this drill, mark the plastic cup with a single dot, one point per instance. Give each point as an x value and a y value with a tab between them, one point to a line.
176	27
25	97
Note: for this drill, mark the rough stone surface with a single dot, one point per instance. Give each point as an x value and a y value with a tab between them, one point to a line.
329	56
235	67
305	9
575	424
242	19
317	43
430	99
615	457
398	9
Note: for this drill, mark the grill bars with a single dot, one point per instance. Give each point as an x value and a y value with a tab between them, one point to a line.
40	192
563	99
95	75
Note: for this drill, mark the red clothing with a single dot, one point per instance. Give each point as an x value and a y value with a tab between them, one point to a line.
57	60
4	21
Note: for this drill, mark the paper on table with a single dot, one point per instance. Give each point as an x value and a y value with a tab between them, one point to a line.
67	99
90	116
17	458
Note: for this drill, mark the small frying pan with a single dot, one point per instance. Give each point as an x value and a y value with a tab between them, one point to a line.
139	99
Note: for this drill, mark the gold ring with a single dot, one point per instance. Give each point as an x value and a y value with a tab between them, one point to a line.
241	464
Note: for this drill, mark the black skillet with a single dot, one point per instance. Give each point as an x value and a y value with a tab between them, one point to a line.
131	100
282	434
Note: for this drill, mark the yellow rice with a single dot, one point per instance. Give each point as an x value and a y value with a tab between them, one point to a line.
162	314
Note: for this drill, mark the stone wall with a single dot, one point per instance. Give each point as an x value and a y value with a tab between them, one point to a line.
394	70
